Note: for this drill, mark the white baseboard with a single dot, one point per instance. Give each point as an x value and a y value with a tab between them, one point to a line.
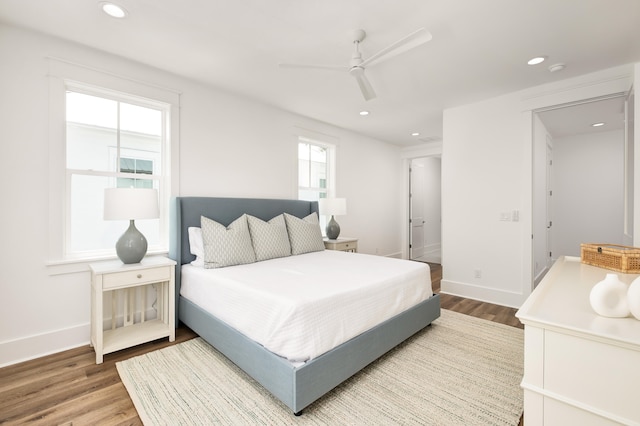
31	347
540	276
483	294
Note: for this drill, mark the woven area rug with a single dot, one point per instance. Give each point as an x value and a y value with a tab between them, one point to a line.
459	371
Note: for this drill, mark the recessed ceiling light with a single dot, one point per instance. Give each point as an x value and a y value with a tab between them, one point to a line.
364	112
113	10
415	134
537	60
597	124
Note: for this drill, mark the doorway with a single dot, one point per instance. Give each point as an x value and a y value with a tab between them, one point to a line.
579	178
425	218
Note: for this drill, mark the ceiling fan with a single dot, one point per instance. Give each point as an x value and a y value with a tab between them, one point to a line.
357	65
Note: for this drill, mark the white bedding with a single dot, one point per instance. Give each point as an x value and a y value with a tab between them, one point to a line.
300	307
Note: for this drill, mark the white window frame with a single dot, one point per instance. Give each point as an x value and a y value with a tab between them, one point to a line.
63	76
331	159
331	144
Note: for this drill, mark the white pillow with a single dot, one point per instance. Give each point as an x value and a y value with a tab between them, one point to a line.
270	239
196	246
305	235
226	246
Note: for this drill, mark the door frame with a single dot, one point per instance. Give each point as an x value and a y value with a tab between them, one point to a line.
431	149
535	279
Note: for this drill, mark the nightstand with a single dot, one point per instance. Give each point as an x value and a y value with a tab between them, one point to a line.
127	286
342	244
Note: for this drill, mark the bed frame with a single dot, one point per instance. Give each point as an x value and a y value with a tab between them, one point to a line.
296	387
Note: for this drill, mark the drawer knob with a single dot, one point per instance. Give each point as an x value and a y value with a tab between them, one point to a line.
139	275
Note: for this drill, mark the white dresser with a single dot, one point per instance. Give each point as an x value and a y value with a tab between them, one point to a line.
580	368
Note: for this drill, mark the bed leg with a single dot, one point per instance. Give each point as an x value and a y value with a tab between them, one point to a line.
298	414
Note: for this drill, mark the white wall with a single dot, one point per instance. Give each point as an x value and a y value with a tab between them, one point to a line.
487	159
483	159
229	146
588	191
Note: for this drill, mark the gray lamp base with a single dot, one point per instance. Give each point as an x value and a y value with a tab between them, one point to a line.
132	245
333	229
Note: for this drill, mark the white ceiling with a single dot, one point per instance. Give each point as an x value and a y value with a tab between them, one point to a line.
578	119
479	49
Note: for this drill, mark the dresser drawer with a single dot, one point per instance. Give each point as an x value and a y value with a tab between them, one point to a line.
140	276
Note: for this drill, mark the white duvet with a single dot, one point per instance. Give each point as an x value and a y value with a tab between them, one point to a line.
300	307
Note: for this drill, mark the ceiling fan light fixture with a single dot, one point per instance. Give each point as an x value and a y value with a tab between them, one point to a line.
537	60
113	10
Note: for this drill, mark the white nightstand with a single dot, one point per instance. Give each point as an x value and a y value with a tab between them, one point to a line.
342	244
131	282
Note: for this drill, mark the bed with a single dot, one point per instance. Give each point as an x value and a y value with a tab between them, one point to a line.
295	384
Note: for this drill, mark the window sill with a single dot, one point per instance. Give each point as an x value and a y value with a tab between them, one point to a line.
74	266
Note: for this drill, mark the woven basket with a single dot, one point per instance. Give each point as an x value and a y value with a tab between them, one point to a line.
611	256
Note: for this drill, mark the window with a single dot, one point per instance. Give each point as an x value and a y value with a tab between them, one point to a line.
313	170
112	140
135	165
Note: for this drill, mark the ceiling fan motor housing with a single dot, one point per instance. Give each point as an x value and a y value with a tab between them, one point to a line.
356	71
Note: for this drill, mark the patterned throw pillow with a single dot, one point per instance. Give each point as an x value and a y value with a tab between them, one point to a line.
226	246
305	235
270	239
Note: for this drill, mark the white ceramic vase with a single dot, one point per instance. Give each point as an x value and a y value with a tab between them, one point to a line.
633	298
609	297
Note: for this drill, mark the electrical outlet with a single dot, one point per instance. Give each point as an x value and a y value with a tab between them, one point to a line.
477	273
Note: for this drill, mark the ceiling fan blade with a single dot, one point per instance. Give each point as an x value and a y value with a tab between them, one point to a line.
365	87
409	42
317	67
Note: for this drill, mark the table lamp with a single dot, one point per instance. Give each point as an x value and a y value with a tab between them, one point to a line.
333	207
131	204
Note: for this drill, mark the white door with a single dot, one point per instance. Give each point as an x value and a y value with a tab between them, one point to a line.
549	189
629	163
416	207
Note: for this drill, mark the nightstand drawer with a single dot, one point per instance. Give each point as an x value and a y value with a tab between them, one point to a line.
346	246
342	244
140	276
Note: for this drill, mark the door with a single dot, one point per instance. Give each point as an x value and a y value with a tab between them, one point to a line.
416	210
549	194
629	162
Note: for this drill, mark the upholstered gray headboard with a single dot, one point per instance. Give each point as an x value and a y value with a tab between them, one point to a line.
186	212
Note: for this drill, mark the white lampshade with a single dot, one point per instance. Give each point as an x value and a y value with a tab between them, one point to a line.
333	206
130	203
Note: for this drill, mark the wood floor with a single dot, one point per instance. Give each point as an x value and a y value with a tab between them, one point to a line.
488	311
68	388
